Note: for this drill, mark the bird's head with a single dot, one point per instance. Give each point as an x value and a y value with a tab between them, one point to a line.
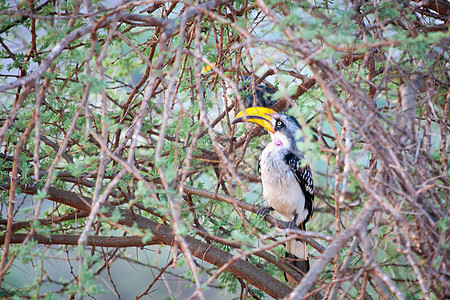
283	128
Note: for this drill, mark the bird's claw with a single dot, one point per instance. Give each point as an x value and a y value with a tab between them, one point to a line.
264	211
291	225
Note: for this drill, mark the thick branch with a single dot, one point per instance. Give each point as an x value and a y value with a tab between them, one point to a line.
67	239
163	235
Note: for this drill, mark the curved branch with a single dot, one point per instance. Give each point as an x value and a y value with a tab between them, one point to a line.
164	235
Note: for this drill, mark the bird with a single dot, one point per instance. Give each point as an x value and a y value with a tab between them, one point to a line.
264	94
286	177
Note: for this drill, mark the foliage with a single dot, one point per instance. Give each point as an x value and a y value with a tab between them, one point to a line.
116	145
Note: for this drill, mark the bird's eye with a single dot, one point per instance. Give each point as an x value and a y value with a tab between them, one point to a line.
279	123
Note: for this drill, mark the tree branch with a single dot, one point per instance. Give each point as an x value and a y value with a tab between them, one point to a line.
164	235
94	241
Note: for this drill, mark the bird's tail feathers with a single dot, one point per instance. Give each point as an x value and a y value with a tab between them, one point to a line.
297	255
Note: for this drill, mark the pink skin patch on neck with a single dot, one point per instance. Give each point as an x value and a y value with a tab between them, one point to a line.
278	142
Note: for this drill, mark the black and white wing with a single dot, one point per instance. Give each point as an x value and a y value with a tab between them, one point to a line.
303	174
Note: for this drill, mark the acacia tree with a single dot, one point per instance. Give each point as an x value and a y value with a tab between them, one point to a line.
116	135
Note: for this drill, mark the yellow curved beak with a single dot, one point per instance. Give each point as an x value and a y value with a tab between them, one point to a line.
258	115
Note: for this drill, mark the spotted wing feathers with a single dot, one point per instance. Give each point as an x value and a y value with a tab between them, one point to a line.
303	174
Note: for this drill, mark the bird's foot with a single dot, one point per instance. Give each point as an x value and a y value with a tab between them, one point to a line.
264	210
291	225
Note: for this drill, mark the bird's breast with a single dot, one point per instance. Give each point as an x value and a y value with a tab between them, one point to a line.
280	187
